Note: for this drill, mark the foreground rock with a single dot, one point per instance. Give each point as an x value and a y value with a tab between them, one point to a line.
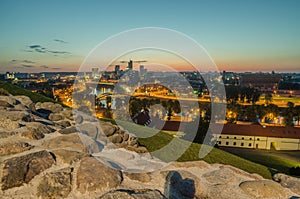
13	148
22	169
93	175
288	182
263	189
64	158
134	194
55	185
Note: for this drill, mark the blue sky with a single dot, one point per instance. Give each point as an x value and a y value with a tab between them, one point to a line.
239	35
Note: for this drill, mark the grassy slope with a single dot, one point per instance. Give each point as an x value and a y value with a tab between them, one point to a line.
160	140
15	90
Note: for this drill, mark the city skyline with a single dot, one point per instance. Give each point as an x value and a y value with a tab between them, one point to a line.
239	36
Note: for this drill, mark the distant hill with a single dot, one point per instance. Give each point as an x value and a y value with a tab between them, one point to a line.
16	90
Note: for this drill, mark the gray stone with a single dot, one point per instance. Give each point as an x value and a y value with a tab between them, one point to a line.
64	123
134	194
5	104
9	99
93	175
107	129
89	129
16	116
68	156
289	182
181	184
221	176
116	139
125	136
55	185
141	177
24	100
67	113
79	119
55	117
20	107
22	169
33	135
8	125
13	148
70	141
37	127
263	189
69	130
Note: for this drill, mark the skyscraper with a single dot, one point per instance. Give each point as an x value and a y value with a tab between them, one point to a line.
130	65
117	69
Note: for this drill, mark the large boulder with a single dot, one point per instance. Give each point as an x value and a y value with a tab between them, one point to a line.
134	194
55	185
5	104
183	184
37	127
9	99
68	130
107	128
55	117
263	189
13	148
289	182
16	116
8	125
23	100
92	175
70	141
50	106
19	170
69	157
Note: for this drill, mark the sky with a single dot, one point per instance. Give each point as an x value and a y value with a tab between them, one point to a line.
256	35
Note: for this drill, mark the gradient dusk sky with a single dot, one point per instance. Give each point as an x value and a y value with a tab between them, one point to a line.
256	35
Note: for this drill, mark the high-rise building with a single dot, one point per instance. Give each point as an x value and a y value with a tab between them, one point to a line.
95	73
117	69
142	70
130	65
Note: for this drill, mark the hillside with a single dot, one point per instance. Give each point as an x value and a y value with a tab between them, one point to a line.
16	90
161	139
53	155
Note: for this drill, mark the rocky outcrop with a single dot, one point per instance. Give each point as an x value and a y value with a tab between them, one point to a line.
55	185
263	189
10	148
22	169
93	175
134	194
289	182
86	158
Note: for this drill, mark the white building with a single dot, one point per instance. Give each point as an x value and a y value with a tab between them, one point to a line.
259	137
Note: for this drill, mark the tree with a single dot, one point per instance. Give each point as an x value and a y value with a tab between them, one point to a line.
289	114
297	113
268	98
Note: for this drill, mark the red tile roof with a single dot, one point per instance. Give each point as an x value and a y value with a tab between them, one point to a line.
258	130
